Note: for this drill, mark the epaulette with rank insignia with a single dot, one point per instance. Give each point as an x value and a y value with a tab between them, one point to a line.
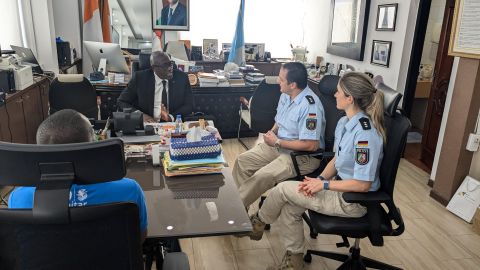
310	99
365	123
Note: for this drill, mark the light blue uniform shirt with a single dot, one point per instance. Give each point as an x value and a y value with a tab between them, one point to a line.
124	190
358	151
297	119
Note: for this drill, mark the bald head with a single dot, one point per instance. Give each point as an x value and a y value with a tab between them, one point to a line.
65	126
161	65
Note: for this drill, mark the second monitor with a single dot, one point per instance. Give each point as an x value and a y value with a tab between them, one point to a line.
114	59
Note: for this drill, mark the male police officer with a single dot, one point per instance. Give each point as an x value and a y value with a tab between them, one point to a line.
299	126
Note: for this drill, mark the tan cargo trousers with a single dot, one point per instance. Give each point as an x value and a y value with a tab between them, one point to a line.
286	204
263	166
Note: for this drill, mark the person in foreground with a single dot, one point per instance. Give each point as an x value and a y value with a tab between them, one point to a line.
299	126
359	139
69	126
160	92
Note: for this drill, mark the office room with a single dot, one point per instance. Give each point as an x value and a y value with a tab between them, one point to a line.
211	134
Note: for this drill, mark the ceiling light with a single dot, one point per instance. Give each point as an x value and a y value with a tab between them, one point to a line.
116	20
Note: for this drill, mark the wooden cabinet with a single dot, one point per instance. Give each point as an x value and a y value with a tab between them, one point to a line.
23	112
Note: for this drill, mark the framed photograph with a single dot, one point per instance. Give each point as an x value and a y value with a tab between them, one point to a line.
210	47
381	52
171	15
386	17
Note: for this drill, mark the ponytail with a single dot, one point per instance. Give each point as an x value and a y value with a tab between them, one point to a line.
366	97
375	112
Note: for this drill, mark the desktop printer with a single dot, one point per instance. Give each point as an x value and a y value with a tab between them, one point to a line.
22	75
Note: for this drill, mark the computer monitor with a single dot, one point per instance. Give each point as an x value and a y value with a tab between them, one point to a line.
27	58
115	61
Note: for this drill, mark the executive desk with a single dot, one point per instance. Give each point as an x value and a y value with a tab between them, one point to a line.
220	102
190	206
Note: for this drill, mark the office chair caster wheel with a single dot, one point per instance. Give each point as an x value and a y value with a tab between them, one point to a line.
307	258
313	235
267	227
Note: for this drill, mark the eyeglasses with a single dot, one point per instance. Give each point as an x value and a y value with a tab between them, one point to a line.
166	65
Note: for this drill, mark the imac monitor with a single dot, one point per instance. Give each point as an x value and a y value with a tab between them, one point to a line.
27	58
115	61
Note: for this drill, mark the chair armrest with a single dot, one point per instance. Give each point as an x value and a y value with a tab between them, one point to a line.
319	153
366	197
244	101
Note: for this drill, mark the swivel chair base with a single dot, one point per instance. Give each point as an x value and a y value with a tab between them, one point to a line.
353	261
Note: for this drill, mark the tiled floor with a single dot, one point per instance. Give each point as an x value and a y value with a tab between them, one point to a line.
434	238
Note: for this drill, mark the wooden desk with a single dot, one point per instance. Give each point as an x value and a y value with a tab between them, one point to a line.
267	68
24	111
221	102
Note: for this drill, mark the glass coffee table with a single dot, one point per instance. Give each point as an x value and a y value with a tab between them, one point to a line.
190	206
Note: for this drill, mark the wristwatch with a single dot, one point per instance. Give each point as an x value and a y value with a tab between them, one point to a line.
277	144
326	185
321	177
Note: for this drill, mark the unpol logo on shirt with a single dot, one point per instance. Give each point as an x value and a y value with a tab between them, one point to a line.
82	195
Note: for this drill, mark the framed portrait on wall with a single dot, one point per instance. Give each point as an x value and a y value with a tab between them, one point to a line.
381	52
386	17
171	15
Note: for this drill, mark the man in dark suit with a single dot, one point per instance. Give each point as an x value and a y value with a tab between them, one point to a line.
160	92
174	14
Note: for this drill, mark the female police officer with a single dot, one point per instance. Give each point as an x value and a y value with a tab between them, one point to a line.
359	139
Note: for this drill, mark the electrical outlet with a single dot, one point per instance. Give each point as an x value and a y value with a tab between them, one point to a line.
473	142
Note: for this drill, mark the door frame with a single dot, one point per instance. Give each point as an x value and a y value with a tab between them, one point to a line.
416	56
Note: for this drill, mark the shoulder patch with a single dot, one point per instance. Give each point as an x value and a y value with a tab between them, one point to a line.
365	123
310	99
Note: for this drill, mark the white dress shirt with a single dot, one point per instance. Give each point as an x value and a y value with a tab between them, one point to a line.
157	103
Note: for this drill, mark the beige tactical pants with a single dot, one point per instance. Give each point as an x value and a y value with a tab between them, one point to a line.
287	204
263	166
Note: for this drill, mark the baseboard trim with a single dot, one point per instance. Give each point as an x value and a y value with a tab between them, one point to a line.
438	198
430	183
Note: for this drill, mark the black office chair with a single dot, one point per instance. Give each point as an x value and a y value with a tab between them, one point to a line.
259	113
377	222
327	88
73	91
54	236
142	63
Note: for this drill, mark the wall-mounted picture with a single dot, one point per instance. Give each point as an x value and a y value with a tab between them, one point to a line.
386	17
381	52
171	15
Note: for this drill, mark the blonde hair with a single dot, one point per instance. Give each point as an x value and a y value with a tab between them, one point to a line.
366	97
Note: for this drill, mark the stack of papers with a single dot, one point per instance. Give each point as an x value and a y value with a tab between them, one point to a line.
254	78
192	167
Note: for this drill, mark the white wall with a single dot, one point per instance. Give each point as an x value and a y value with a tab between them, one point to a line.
435	20
44	29
10	33
67	23
316	36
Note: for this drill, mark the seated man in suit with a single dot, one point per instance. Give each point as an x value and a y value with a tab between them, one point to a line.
174	14
69	126
160	92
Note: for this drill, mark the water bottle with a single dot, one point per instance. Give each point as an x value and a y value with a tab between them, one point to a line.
178	123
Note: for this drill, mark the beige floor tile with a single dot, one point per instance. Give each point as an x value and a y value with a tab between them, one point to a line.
431	237
471	243
213	253
254	259
414	256
465	264
186	244
243	243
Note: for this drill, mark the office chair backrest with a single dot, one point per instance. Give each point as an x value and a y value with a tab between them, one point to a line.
327	88
263	106
73	91
54	236
397	127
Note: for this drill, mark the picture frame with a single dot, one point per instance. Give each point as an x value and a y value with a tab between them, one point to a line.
464	38
386	17
381	51
178	20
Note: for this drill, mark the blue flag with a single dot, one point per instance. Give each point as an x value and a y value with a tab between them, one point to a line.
237	53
